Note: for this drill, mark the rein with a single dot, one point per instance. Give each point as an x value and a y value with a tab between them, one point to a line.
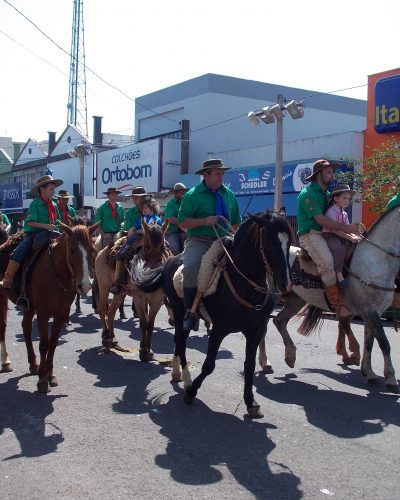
65	290
388	252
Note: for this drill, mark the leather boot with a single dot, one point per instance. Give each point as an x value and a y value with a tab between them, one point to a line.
333	296
118	277
10	273
191	320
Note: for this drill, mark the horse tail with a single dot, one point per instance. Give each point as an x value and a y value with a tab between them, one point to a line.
312	319
150	280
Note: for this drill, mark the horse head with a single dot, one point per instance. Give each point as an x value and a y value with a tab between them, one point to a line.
154	249
80	254
274	238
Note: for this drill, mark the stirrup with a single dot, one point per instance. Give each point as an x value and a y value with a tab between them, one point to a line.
22	303
191	322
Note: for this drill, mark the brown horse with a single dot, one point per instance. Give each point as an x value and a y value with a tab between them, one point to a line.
60	271
154	252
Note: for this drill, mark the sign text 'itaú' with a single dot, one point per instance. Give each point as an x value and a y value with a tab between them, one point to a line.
387	105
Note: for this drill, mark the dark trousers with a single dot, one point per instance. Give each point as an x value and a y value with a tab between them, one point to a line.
339	248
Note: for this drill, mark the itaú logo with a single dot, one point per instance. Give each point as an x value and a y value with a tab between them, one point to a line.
121	174
387	105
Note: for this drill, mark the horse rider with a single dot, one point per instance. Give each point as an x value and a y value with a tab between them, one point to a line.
67	211
312	203
5	222
174	235
133	221
111	215
42	215
198	215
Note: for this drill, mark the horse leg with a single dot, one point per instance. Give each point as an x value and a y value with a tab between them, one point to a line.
112	309
293	304
102	310
180	338
252	342
58	322
208	366
170	312
141	310
354	346
266	366
78	309
4	357
374	326
95	295
43	383
122	314
27	329
341	343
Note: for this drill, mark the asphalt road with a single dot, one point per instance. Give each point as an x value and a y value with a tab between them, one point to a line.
117	428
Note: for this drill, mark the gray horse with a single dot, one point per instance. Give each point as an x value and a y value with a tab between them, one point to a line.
373	268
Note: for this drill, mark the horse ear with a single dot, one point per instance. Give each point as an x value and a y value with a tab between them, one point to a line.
145	225
65	228
165	225
92	229
258	219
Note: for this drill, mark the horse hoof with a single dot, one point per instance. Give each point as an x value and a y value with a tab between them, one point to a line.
78	311
171	322
43	387
33	369
374	381
254	411
355	360
176	376
267	369
144	356
6	368
290	362
394	388
189	395
52	379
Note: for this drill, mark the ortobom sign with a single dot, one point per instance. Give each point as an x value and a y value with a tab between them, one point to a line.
129	166
11	198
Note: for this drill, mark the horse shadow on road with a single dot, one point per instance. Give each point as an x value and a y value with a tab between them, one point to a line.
342	414
26	418
203	443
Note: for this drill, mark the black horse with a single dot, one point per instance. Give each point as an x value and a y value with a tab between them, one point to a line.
258	270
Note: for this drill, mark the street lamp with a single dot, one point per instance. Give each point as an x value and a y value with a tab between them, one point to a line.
81	150
269	114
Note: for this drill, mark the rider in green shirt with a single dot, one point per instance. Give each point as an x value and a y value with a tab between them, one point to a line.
174	235
111	215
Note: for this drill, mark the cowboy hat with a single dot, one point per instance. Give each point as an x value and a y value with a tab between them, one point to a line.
341	188
46	179
210	164
138	191
112	190
64	194
179	186
319	165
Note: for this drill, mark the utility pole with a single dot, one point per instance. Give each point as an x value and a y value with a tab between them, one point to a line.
278	157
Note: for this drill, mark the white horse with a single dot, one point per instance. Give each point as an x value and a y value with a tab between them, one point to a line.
373	268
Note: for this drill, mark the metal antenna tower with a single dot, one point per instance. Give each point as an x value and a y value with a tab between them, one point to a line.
77	105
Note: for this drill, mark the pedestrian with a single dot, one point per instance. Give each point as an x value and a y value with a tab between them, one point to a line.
174	235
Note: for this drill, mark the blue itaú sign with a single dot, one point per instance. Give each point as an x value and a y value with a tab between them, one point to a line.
387	105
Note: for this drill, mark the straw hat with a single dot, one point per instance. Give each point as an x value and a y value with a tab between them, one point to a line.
111	191
210	164
319	165
64	194
46	179
179	186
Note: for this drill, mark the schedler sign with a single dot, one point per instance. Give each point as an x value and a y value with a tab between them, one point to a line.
129	166
387	105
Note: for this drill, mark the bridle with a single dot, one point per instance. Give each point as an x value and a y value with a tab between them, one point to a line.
258	288
65	290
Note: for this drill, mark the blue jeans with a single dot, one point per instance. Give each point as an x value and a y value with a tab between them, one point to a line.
23	249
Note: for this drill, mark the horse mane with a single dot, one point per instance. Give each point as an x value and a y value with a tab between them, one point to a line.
81	233
277	222
380	219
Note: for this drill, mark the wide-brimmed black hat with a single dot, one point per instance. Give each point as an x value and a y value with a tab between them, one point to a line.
319	165
112	190
210	164
341	188
64	194
138	191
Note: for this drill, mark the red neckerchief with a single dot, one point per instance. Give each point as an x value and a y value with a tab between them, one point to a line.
114	211
51	210
64	211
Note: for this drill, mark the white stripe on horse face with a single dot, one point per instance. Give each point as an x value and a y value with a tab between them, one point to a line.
86	285
284	239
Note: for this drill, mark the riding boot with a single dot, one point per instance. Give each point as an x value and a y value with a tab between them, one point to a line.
119	277
191	320
10	273
335	300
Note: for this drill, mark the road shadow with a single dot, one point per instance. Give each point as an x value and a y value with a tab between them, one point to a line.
26	418
201	442
339	413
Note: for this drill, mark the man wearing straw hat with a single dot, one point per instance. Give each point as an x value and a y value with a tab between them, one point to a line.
199	215
42	216
312	203
111	215
174	235
67	212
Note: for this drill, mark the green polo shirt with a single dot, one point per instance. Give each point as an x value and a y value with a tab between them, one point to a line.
171	210
393	202
109	224
37	212
311	201
131	216
199	203
71	213
5	219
